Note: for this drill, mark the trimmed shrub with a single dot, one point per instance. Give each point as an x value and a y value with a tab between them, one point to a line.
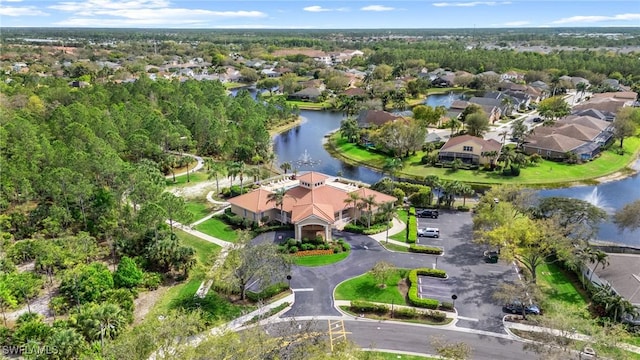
414	299
367	307
268	292
346	247
463	208
293	249
435	316
151	280
446	306
405	313
412	229
412	211
421	249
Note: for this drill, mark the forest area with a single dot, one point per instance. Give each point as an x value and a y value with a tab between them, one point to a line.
82	195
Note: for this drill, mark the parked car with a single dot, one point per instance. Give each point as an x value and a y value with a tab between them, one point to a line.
429	232
427	213
515	307
537	120
491	256
629	319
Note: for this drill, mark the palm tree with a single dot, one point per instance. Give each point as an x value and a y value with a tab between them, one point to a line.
352	198
277	198
387	210
508	103
254	173
454	124
111	319
216	170
507	155
237	168
285	166
369	201
600	257
432	181
583	255
466	191
456	164
349	129
581	87
391	167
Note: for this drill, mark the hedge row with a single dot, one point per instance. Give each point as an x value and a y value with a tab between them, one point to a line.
359	306
365	307
268	292
313	252
412	229
360	229
416	300
421	249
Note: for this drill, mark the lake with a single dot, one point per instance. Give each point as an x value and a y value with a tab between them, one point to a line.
302	146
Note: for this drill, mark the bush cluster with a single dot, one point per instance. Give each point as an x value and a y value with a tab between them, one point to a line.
463	208
412	228
236	221
268	292
362	229
421	249
312	246
416	300
365	307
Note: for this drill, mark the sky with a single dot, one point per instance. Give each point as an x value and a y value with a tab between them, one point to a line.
302	14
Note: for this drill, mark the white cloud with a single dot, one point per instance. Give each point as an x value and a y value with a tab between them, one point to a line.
471	4
141	13
377	8
21	11
597	18
517	23
316	8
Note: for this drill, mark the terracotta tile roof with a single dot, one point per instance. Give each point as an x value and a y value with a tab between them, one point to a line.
313	177
254	201
485	145
323	211
380	197
621	95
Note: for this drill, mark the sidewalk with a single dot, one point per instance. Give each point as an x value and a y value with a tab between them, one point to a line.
508	325
397	227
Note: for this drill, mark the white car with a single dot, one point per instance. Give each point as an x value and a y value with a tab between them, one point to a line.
429	232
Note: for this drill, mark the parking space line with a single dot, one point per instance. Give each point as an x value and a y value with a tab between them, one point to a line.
467	318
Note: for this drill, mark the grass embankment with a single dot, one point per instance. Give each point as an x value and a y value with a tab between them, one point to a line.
366	288
193	178
197	208
379	355
401	236
319	260
218	229
544	173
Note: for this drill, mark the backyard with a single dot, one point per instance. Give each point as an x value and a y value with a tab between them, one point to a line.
545	172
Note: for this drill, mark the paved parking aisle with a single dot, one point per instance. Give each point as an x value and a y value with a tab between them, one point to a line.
434	288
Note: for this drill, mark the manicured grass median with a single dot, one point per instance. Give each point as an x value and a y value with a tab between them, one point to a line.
365	287
378	355
319	260
218	229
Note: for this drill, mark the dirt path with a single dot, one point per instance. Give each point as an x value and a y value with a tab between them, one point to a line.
145	302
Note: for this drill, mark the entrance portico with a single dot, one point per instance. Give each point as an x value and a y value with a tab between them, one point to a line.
312	227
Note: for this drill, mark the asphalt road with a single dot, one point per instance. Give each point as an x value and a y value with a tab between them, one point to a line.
410	337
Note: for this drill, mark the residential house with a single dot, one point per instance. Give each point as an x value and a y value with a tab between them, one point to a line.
306	94
375	118
270	73
446	80
456	109
492	107
470	149
355	92
314	203
609	102
584	136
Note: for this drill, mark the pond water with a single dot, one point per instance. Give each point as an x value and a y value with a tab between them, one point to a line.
443	99
302	146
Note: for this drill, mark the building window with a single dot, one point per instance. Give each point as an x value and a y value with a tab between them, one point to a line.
467	148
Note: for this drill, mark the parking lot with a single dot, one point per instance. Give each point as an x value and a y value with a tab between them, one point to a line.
471	278
434	288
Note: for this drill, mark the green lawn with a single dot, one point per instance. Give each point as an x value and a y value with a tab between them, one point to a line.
218	229
365	288
401	236
379	355
198	208
319	260
204	249
181	181
394	247
307	105
545	172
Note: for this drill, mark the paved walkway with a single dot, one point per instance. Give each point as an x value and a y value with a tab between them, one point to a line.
198	166
397	227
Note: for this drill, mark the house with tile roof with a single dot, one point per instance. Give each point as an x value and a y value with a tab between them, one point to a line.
314	203
584	136
471	150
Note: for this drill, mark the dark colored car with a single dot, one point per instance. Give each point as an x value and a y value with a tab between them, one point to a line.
516	308
537	120
427	213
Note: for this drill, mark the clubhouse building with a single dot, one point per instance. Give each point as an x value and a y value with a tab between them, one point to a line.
314	203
